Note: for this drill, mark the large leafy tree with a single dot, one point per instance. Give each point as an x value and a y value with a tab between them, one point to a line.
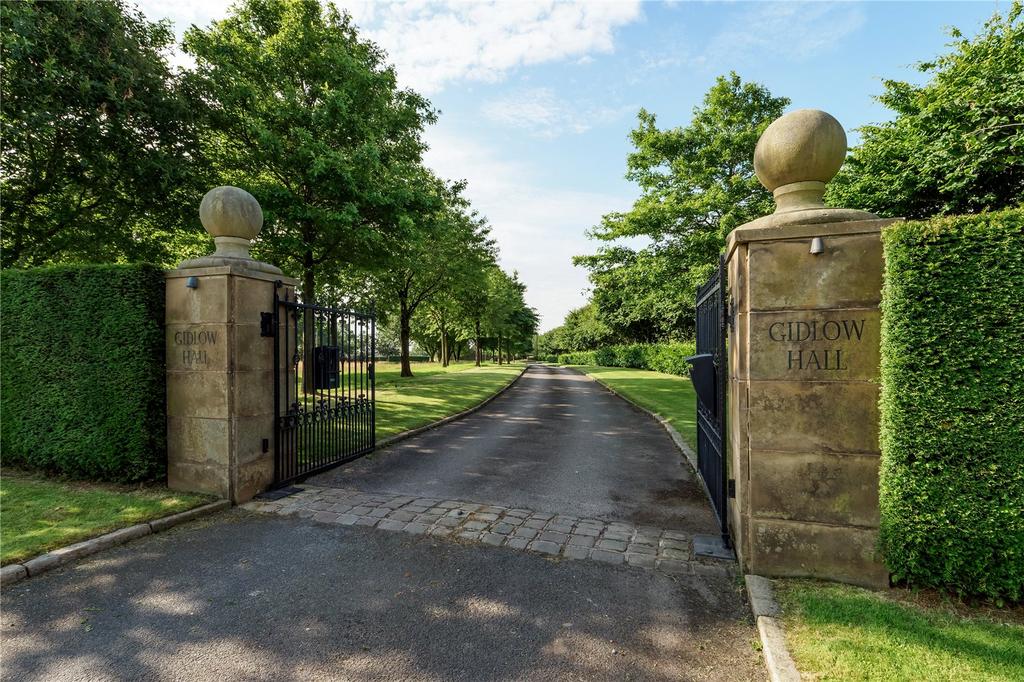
957	142
98	144
450	248
309	117
582	330
509	321
644	295
697	184
472	307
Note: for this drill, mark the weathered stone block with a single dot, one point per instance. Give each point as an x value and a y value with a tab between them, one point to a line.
832	345
249	434
198	478
253	352
836	489
847	275
813	416
208	303
252	477
786	548
251	296
199	441
737	277
197	394
739	347
254	394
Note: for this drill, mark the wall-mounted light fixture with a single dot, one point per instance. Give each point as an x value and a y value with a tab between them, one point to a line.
817	246
192	282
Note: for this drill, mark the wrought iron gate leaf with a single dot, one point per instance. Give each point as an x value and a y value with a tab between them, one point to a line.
324	375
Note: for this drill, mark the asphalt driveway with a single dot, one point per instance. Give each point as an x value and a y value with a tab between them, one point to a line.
557	441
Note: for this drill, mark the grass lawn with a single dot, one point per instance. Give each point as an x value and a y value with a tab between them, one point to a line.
39	514
837	632
667	395
434	392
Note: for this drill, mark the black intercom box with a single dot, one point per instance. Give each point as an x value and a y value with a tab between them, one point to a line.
325	367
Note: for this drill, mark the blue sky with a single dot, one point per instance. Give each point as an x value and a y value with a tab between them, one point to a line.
537	98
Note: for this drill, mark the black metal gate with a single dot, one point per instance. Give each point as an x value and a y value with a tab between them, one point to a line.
710	373
324	395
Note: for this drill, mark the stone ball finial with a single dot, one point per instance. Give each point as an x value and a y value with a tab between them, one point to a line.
228	211
797	155
233	217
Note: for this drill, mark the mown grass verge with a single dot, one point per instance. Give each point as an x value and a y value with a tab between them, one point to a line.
39	514
667	395
434	392
838	632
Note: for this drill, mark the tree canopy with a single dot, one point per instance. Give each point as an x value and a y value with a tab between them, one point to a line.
449	252
697	184
582	330
309	118
956	144
100	148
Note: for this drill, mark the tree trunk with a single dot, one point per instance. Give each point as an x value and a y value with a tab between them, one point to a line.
308	328
499	348
404	316
478	351
444	344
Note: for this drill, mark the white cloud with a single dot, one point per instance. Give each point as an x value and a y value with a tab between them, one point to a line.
795	29
435	43
542	113
539	227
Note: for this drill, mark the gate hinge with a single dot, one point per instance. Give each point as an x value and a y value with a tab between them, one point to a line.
730	313
266	324
732	488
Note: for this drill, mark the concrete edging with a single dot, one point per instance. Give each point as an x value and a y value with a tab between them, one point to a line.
450	418
761	594
13	573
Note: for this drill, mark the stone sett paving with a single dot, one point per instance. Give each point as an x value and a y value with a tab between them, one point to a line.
569	537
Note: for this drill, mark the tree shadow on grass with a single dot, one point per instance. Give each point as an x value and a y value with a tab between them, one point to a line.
417	404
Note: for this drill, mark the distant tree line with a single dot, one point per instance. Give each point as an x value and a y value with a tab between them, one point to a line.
955	145
107	151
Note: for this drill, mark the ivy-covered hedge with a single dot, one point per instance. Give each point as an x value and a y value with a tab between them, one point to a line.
669	358
952	408
82	357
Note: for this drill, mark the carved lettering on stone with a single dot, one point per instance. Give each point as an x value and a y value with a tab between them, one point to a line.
828	356
191	355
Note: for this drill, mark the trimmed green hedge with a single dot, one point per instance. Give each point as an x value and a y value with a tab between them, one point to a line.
668	358
398	358
952	408
82	356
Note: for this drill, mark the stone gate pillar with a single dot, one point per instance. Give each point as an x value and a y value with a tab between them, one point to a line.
804	288
220	365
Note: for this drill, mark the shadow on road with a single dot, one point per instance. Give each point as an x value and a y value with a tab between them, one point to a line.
255	597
